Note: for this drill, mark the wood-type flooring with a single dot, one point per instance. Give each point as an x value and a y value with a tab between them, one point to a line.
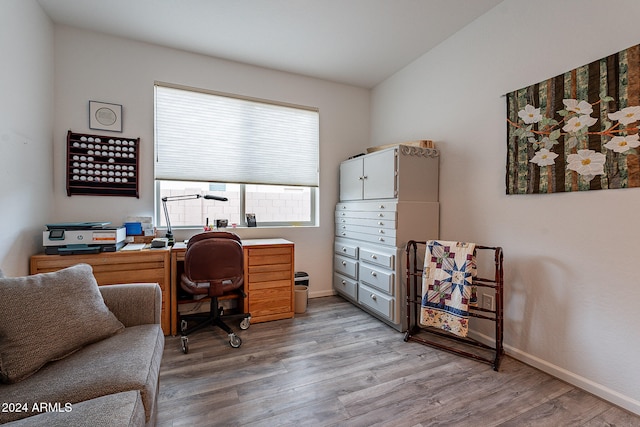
336	365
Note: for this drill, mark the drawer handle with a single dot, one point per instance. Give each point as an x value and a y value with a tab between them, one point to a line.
381	215
344	227
344	249
344	263
381	231
381	206
381	239
374	257
344	234
373	273
344	283
373	297
380	223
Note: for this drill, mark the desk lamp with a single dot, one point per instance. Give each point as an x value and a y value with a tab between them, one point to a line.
166	199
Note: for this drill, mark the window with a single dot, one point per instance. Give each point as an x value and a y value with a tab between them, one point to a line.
272	204
262	156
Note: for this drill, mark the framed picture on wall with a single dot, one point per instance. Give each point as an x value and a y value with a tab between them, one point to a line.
104	116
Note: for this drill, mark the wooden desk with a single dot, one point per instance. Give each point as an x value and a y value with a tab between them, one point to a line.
110	268
268	276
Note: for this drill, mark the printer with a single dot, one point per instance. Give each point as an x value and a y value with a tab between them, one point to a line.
69	238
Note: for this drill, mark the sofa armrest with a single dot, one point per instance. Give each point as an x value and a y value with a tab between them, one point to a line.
134	303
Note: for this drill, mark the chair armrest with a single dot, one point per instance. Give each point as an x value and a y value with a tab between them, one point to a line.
134	303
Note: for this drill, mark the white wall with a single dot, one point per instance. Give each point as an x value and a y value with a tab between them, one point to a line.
92	66
26	100
572	290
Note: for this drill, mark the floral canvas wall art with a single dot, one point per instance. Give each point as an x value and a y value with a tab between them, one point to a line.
577	131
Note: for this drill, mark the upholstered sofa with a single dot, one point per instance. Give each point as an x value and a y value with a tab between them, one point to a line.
76	354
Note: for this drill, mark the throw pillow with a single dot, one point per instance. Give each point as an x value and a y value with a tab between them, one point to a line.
48	316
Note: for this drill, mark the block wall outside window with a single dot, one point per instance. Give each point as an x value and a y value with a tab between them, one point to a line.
271	204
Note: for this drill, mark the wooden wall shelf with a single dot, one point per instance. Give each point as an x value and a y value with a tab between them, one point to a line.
100	165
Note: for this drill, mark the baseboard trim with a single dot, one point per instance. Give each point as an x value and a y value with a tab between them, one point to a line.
319	294
586	384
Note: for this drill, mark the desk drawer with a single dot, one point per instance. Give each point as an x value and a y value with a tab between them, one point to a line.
269	301
268	273
269	256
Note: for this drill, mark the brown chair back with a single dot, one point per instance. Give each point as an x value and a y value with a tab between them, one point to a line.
213	264
213	235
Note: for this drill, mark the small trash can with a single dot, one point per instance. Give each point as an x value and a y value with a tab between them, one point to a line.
301	291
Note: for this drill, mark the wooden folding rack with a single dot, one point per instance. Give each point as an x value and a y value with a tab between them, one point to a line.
416	332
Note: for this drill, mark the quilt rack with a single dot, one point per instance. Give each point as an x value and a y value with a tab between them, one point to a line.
446	341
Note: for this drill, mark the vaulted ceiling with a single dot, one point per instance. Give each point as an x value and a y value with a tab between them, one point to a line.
357	42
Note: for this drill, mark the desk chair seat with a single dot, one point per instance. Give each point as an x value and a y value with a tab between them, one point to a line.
214	267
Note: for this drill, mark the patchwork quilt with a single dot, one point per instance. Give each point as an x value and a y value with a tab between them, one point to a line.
447	286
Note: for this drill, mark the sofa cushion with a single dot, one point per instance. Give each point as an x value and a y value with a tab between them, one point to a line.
126	361
48	316
120	409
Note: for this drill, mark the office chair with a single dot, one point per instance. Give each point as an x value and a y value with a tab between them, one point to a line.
213	266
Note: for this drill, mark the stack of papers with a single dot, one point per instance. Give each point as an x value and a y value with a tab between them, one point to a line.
133	247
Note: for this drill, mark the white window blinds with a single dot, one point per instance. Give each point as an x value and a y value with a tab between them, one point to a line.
210	137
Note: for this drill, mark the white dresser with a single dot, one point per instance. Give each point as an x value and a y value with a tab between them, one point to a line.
386	199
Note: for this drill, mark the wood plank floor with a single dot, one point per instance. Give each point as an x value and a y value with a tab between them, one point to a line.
335	365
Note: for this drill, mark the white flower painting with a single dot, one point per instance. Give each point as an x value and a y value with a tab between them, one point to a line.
577	122
577	131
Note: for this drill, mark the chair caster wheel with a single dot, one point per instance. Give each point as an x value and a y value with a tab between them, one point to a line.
185	344
246	322
234	341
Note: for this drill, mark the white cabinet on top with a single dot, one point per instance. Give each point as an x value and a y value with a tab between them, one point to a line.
386	199
405	173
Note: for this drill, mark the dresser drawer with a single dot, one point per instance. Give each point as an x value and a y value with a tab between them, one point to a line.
377	278
368	215
372	238
380	206
345	286
373	299
369	222
346	249
377	231
345	266
377	258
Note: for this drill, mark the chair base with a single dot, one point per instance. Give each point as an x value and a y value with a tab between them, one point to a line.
213	318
